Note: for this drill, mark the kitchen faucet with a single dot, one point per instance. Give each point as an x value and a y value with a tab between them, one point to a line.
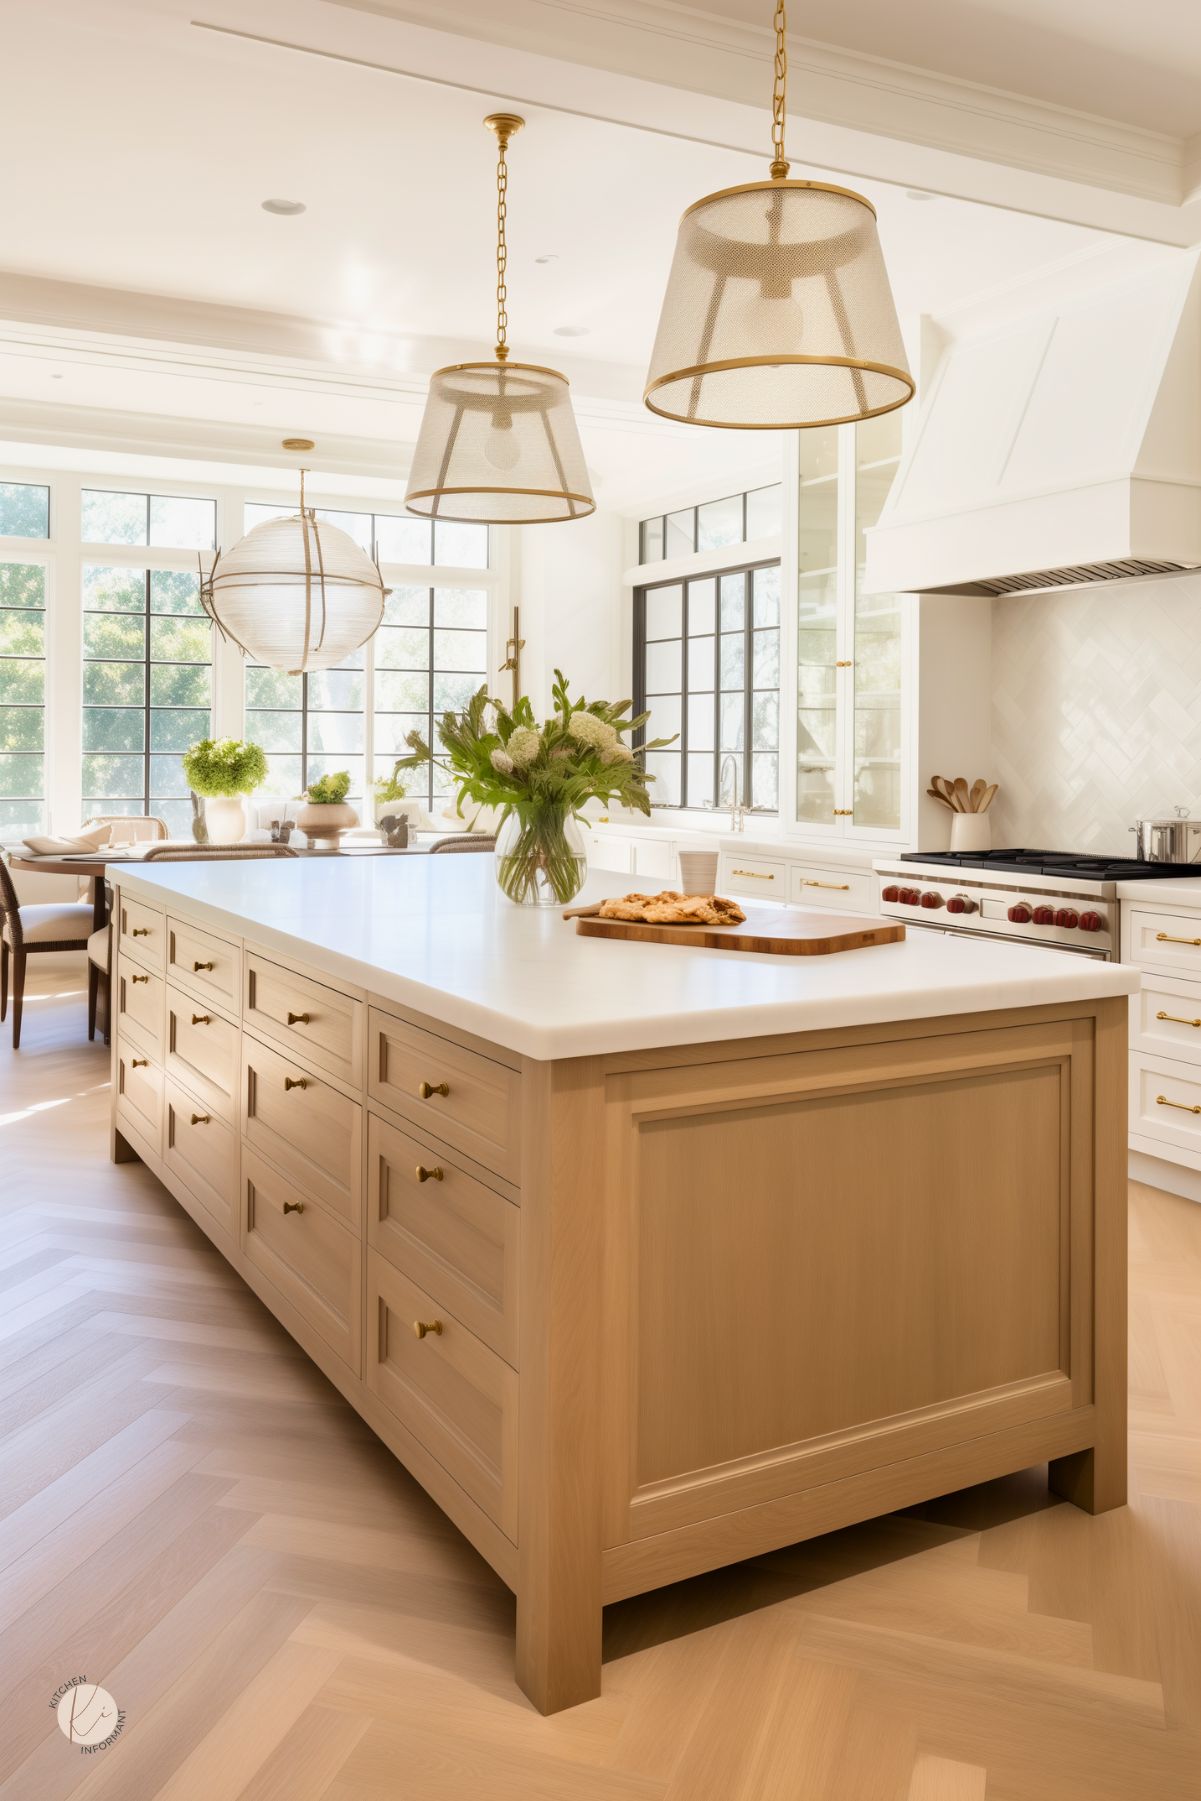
737	820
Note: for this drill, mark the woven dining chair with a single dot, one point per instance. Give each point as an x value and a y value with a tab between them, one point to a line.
220	853
463	841
26	931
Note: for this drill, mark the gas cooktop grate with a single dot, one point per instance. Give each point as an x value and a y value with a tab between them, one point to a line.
1056	863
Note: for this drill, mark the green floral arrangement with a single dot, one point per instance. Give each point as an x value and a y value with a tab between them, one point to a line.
387	788
329	790
221	767
539	775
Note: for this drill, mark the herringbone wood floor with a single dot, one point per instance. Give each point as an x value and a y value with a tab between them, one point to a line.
191	1516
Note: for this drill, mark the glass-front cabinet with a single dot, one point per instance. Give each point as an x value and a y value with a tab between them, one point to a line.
849	645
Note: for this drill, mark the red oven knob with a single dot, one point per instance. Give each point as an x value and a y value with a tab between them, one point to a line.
1044	916
1092	922
1068	918
1019	914
931	898
961	903
910	897
891	893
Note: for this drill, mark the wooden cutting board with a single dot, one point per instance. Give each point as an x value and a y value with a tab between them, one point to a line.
779	931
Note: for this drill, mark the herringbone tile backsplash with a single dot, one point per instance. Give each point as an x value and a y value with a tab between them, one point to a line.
1096	712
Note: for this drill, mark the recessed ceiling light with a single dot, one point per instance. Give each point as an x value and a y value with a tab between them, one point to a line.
571	331
919	194
546	259
287	209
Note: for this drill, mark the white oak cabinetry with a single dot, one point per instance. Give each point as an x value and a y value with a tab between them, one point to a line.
636	1315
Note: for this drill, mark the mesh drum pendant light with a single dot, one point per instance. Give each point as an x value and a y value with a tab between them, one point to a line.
295	593
778	310
498	442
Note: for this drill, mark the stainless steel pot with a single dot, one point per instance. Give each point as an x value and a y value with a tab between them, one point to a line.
1168	840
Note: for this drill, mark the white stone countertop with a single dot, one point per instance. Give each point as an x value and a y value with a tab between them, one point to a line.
435	934
1168	893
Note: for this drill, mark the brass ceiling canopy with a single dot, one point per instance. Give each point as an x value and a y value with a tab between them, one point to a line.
778	312
498	442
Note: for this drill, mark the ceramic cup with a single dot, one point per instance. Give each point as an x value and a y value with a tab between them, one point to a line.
970	831
698	871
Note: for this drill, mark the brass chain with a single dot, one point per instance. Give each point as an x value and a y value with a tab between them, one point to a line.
502	247
779	167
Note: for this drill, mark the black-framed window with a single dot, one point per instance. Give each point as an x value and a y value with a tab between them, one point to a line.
396	537
713	525
24	510
309	725
707	666
22	699
147	689
161	521
431	654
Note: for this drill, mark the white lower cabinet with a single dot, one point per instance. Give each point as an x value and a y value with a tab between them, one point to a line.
1165	1032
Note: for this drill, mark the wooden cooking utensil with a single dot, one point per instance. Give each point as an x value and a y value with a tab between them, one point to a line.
947	790
961	793
987	798
941	798
974	799
583	912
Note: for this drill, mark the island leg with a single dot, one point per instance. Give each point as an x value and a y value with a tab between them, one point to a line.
559	1515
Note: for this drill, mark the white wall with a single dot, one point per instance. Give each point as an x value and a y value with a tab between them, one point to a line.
575	614
1096	712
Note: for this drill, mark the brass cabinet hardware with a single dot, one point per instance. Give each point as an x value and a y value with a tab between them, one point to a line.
1161	1100
196	967
429	1175
840	887
1167	938
843	812
139	978
202	1119
422	1326
1178	1020
293	1206
294	1082
298	1019
756	875
139	932
201	1019
426	1089
139	1063
845	663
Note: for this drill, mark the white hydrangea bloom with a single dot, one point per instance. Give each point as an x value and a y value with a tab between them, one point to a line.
587	729
617	753
502	762
524	746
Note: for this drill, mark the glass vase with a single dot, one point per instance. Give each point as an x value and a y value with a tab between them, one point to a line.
540	857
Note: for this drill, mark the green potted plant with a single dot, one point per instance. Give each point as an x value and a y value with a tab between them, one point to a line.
325	815
391	796
223	770
540	777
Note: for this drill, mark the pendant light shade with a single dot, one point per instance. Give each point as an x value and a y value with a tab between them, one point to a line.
295	594
778	311
498	441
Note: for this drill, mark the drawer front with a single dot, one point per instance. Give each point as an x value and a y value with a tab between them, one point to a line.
850	888
309	1256
1165	1019
606	851
470	1101
140	1092
140	1005
143	934
1169	943
202	1052
320	1026
446	1230
204	964
203	1153
310	1130
1165	1100
449	1390
757	877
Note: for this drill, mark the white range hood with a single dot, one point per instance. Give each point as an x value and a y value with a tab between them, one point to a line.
1060	451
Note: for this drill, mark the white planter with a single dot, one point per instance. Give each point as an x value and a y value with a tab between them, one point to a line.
325	822
225	817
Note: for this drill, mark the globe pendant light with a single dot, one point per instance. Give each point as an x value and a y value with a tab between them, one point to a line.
498	441
295	593
778	311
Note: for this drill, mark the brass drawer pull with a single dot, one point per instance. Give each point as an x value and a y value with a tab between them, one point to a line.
1167	938
139	1063
293	1206
202	1119
426	1089
422	1326
1161	1100
843	812
845	663
201	1019
139	978
840	887
756	875
429	1175
1178	1020
298	1019
139	932
294	1082
197	967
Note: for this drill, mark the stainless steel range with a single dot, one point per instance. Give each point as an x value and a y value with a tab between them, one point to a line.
1029	896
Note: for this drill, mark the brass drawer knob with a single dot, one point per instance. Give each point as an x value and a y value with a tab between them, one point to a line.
423	1326
139	1063
293	1206
298	1019
201	1019
139	932
139	978
1161	1100
196	967
1178	1019
429	1175
426	1089
294	1082
201	1119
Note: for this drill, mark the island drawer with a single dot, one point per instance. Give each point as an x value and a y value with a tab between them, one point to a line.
204	964
319	1025
202	1052
139	1082
447	1230
139	1008
1165	1018
311	1131
758	877
142	933
202	1153
313	1260
850	888
1169	943
445	1387
471	1101
1165	1100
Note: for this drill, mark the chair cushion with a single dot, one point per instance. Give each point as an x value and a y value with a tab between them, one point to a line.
98	947
55	922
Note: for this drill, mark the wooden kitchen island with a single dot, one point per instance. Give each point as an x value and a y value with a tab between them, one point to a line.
642	1260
